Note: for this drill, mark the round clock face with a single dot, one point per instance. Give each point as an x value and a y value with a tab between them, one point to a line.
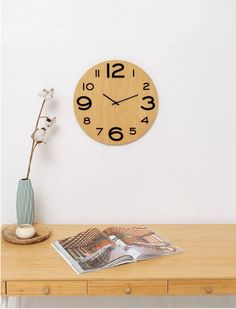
115	102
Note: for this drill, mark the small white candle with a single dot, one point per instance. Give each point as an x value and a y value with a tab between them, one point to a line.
25	231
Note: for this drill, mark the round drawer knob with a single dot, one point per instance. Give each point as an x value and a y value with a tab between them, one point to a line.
46	290
208	290
127	290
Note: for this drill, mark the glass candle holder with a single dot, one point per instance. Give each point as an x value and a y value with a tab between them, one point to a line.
25	231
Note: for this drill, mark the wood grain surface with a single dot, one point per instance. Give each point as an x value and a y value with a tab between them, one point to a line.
206	267
99	107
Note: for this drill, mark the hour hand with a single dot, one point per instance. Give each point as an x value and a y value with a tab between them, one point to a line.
114	102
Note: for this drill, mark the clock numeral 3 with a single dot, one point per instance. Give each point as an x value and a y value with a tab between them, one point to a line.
115	134
145	120
146	86
86	120
114	73
150	102
132	131
88	86
84	103
99	130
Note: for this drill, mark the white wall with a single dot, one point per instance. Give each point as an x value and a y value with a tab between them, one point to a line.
183	170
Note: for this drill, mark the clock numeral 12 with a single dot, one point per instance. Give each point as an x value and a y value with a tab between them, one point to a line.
120	67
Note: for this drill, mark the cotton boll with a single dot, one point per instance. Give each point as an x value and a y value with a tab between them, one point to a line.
39	135
50	121
47	94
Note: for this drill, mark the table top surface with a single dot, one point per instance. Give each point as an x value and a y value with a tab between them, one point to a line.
209	253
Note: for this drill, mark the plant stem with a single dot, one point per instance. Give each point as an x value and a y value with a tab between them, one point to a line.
34	144
31	157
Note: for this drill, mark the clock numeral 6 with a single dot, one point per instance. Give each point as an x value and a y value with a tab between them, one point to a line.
86	120
84	103
150	101
115	134
114	73
132	131
88	86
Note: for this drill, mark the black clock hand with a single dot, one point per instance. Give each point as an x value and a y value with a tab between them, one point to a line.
133	96
114	102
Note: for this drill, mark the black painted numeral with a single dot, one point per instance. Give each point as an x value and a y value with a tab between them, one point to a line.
146	86
86	120
99	130
84	103
88	86
133	72
115	134
150	101
97	73
145	120
132	131
120	67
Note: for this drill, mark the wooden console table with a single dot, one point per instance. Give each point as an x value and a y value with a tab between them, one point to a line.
206	267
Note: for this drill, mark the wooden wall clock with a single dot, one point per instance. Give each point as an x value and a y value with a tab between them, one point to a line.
115	102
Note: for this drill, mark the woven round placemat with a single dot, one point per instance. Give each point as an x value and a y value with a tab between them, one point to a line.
42	233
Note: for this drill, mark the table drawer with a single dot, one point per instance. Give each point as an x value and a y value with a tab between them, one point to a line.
46	287
202	287
127	287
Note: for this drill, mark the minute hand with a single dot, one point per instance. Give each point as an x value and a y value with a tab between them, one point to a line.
133	96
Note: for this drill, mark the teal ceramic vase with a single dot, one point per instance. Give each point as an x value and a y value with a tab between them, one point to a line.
25	202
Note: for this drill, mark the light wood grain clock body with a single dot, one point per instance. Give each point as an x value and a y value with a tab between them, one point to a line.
115	102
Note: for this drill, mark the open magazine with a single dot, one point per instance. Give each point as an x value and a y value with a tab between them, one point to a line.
94	249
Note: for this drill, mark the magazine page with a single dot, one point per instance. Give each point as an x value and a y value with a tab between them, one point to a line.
91	250
140	242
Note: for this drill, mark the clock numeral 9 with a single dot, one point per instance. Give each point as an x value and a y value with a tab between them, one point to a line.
114	73
115	134
84	103
150	101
